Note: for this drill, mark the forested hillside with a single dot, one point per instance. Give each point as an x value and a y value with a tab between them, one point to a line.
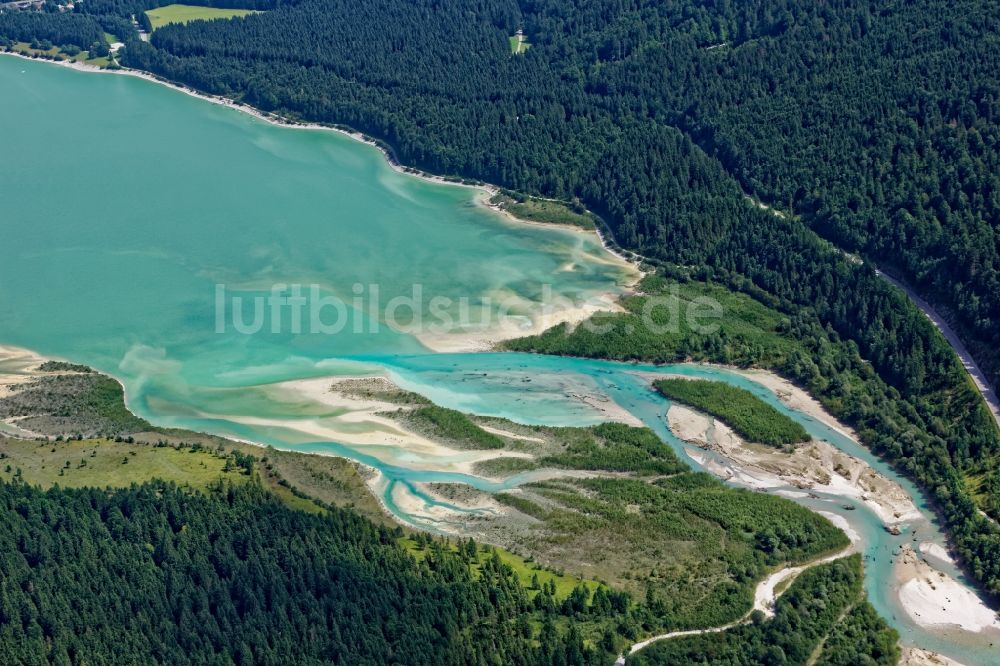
877	122
871	123
154	574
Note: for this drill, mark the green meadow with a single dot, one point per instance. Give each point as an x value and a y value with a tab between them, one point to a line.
161	16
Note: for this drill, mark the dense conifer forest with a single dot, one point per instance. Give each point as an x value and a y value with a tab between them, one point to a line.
154	574
160	574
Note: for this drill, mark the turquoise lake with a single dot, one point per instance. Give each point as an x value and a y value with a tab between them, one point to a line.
126	207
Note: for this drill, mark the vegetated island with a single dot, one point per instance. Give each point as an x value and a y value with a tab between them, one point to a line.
749	416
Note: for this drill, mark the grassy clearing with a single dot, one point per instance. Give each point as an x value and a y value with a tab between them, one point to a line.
333	481
749	416
24	48
105	463
518	44
161	16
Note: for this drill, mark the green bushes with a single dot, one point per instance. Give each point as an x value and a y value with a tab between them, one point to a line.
80	403
861	637
692	548
453	427
749	416
616	447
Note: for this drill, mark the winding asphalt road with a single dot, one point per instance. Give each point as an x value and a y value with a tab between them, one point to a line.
978	376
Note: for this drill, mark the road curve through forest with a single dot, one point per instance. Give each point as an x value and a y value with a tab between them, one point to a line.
978	376
763	600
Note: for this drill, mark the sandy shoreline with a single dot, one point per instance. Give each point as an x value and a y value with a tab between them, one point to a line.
20	366
486	190
484	339
934	599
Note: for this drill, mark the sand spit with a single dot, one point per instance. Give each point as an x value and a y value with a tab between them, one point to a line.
933	598
19	367
918	657
364	423
534	320
623	258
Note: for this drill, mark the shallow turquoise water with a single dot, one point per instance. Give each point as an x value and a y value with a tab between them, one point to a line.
124	204
128	203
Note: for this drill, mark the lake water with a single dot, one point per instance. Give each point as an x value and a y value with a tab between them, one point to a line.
129	212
